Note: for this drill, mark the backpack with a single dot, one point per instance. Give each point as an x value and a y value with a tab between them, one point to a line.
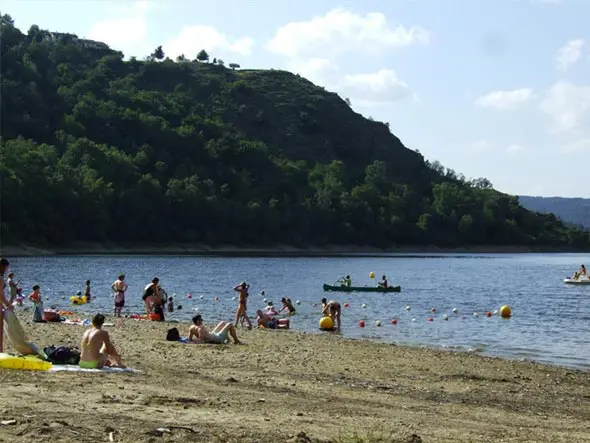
62	355
173	334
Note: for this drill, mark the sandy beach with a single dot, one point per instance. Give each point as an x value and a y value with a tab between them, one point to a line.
285	386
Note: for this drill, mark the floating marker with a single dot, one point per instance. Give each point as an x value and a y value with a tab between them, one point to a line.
377	323
361	324
408	308
394	322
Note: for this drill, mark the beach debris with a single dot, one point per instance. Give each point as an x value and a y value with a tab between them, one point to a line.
261	400
7	422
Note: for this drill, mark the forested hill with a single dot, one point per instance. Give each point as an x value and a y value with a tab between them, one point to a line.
575	211
98	149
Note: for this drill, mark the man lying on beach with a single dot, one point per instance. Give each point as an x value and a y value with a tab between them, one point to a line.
97	349
198	332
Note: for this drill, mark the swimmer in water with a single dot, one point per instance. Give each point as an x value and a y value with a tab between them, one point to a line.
287	306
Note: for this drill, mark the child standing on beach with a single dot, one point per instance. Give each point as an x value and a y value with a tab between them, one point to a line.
170	304
35	297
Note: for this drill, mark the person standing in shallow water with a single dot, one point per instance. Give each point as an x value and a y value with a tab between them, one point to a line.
151	295
119	287
242	288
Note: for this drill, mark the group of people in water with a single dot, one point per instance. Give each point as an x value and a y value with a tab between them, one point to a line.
97	350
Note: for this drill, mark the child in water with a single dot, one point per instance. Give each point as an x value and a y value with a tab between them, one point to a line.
35	297
87	291
170	304
287	306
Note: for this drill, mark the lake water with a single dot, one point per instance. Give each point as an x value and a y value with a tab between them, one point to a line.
549	323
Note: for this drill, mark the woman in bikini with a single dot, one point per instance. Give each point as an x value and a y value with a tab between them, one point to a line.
242	288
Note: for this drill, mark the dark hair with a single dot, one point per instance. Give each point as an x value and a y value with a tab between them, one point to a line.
121	277
87	282
35	287
10	275
98	320
197	319
170	299
283	299
155	280
324	300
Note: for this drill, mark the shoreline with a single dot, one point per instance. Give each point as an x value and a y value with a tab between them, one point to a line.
290	386
24	250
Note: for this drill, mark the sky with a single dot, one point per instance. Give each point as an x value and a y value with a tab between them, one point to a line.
489	88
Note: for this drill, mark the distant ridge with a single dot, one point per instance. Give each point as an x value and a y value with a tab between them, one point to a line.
575	211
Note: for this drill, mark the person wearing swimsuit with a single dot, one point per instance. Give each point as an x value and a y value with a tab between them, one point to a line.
333	310
97	349
119	287
287	306
242	288
151	295
198	332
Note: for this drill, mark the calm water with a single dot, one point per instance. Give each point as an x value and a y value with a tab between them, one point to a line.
549	324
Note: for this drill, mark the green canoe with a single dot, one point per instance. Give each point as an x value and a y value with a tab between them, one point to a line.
361	288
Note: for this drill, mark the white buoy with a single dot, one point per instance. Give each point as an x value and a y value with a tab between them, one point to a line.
363	305
233	298
408	308
202	297
377	323
445	317
475	314
495	312
455	310
413	319
298	302
265	300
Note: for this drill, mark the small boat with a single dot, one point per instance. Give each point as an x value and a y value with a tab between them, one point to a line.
577	281
342	288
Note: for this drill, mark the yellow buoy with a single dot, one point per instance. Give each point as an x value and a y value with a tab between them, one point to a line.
371	275
505	311
326	323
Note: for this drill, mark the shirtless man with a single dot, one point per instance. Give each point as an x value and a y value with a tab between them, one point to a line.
119	287
198	332
151	295
97	349
332	309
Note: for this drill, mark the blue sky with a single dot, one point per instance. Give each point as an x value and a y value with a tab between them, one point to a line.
498	89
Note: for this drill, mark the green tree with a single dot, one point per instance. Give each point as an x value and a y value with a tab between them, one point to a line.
203	56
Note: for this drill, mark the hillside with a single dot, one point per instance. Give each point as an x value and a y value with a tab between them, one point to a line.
99	149
575	211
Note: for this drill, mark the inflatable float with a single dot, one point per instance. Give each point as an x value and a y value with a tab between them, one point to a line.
577	281
28	362
79	300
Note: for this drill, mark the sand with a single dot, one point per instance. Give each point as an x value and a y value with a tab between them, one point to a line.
285	386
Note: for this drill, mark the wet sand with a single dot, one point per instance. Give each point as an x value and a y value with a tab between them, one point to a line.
285	386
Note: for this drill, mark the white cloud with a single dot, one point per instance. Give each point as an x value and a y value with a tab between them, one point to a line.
191	39
568	105
514	150
506	100
340	31
578	147
127	31
382	86
479	146
569	54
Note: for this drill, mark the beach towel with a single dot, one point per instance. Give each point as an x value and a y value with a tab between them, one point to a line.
108	370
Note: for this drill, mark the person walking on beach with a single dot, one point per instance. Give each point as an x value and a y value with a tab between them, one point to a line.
35	297
333	310
242	288
119	287
97	349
